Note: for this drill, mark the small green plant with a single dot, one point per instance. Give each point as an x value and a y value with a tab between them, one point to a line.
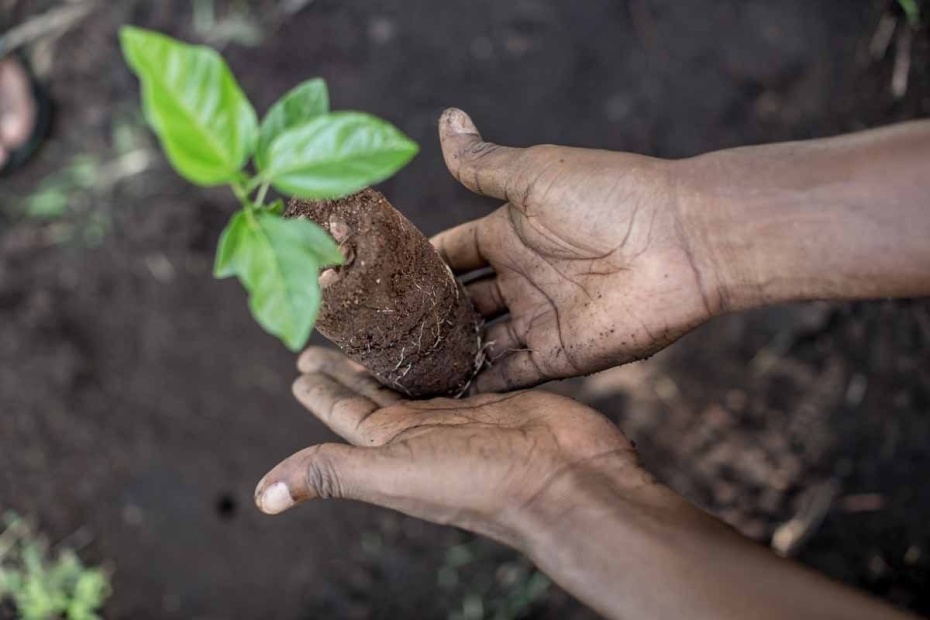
74	202
911	12
42	588
210	132
508	592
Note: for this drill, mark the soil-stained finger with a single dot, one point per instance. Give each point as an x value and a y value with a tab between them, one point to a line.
341	409
487	298
349	373
317	359
502	339
461	247
511	372
320	472
484	168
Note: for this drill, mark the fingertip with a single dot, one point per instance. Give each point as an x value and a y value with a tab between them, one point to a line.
299	386
273	497
456	122
312	359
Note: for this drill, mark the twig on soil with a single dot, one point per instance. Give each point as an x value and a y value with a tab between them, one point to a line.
878	46
902	64
126	166
815	504
54	22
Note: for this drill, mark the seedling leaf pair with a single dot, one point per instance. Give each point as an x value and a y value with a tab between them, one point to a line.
210	131
272	257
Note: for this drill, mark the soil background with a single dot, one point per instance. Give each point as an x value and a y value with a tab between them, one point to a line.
140	403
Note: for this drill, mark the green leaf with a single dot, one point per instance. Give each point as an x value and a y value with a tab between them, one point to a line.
192	101
48	203
278	262
335	155
911	11
230	240
276	207
297	107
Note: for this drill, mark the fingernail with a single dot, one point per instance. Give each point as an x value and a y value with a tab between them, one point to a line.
275	499
459	122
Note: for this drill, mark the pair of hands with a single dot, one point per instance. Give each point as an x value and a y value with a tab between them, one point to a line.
600	258
592	267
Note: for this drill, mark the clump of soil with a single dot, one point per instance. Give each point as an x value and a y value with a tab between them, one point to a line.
394	306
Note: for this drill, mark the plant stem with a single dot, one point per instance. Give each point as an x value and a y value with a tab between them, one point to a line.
262	192
243	195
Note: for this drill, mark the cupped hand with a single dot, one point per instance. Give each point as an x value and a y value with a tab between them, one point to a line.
481	463
593	264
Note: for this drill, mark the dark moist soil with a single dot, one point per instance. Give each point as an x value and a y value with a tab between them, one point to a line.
393	306
140	403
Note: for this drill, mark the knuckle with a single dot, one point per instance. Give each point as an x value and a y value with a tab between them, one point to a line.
346	406
321	476
539	152
480	148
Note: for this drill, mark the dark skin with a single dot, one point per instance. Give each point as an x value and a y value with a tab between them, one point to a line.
600	258
582	293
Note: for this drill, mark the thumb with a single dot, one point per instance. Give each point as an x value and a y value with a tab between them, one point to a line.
482	167
325	471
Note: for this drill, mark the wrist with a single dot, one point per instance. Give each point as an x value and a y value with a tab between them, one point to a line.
834	218
716	234
578	500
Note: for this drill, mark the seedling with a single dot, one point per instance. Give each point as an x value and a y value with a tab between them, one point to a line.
210	133
390	303
41	586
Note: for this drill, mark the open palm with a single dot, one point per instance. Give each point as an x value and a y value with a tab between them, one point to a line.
480	463
591	264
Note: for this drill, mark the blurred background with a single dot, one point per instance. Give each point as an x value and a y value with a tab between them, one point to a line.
140	403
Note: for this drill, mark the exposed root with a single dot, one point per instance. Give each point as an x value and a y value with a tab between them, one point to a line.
482	359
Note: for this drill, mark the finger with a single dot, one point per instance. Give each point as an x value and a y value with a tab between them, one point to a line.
511	372
349	373
341	409
502	339
321	472
482	167
463	247
487	297
321	359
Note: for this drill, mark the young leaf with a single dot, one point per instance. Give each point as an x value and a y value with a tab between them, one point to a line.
300	105
192	101
230	240
335	154
278	262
